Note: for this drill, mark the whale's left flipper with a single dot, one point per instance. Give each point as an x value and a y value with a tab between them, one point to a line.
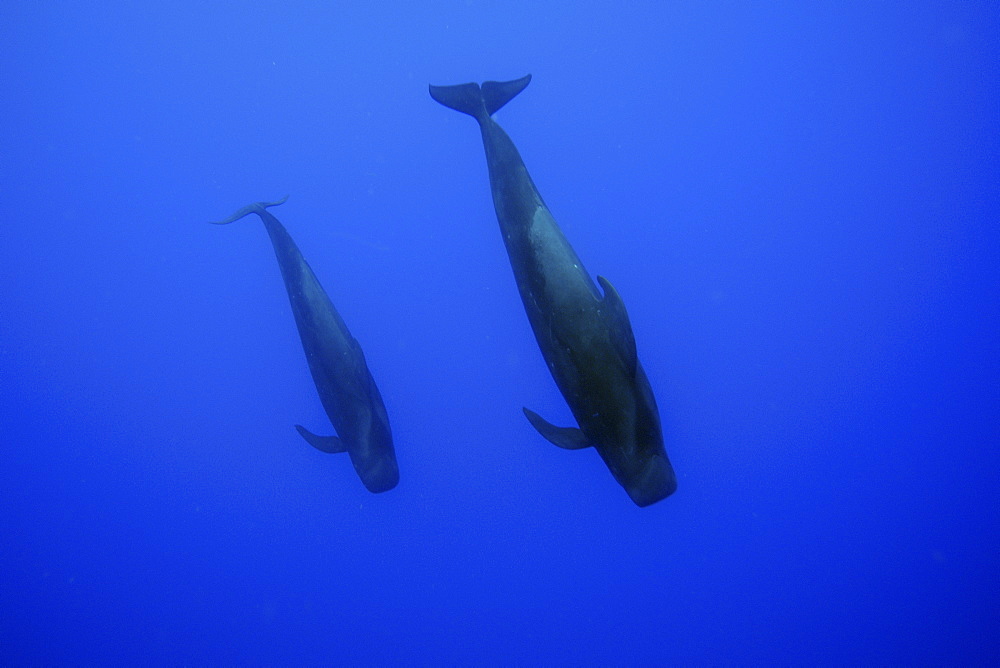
330	444
569	438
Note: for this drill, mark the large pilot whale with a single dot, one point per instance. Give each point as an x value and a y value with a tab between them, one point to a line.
585	337
346	388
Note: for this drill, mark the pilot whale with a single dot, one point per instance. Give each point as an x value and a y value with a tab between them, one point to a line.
585	336
345	385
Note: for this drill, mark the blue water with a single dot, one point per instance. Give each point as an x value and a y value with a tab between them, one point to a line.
798	202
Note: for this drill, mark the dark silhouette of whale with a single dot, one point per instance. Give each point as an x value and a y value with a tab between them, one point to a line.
586	339
338	367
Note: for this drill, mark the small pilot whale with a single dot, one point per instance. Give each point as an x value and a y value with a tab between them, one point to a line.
585	338
338	367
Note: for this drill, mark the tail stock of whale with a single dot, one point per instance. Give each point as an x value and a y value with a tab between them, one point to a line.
479	101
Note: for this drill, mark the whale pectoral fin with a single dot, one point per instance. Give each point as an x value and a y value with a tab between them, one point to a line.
613	310
569	438
330	444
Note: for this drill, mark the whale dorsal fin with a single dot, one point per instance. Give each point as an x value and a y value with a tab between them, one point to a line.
613	311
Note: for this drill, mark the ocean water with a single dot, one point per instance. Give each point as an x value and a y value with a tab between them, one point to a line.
798	202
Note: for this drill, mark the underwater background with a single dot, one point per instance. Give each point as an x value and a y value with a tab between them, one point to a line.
798	202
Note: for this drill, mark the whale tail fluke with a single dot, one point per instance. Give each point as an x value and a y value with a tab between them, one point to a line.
479	101
256	207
